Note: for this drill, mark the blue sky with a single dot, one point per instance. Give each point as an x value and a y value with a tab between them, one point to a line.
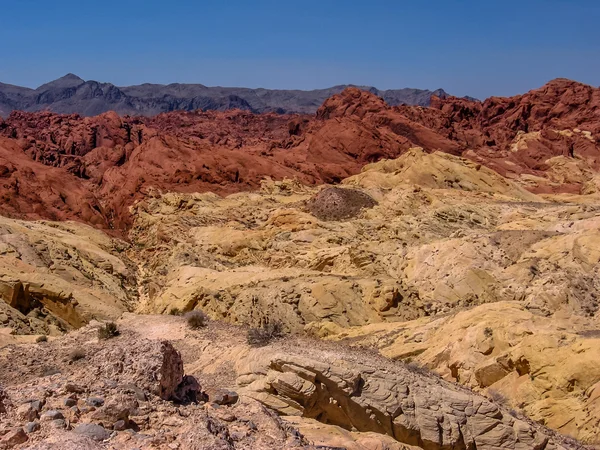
478	48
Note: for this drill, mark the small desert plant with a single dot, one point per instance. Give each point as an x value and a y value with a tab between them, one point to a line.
416	367
77	354
42	338
497	397
175	312
196	319
258	337
488	332
107	331
48	371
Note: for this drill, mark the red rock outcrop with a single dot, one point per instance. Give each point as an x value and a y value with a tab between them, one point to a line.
32	190
566	114
92	169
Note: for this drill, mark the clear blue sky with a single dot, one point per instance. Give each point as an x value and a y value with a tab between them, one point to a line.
479	48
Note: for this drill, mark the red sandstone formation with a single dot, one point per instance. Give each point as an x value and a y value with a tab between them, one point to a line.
31	190
490	128
92	169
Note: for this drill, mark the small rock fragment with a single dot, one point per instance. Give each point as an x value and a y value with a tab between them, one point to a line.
93	431
95	401
52	414
73	388
133	389
31	427
3	400
188	391
238	435
225	397
120	425
13	438
37	405
27	412
116	409
59	423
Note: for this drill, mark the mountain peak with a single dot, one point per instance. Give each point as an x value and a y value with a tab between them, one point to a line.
64	82
71	77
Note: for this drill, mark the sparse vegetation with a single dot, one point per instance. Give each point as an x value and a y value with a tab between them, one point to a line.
108	331
497	397
534	271
488	332
196	319
42	338
416	367
77	354
175	312
259	337
48	371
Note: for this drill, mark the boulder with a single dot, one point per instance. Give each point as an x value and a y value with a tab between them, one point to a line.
93	431
339	204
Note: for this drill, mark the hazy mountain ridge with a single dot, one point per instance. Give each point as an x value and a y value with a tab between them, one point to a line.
72	94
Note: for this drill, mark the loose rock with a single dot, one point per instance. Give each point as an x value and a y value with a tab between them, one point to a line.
225	397
31	427
52	414
93	431
13	438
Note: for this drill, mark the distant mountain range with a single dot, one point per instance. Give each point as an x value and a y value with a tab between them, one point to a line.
71	94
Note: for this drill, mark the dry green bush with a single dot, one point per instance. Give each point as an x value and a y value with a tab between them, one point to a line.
77	354
196	319
416	367
259	337
108	331
497	397
175	312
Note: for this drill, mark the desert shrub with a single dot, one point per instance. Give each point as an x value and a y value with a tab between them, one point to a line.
77	354
416	367
175	312
196	319
48	371
258	337
42	338
497	397
488	332
107	331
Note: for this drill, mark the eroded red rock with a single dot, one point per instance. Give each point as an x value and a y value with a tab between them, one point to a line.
93	169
